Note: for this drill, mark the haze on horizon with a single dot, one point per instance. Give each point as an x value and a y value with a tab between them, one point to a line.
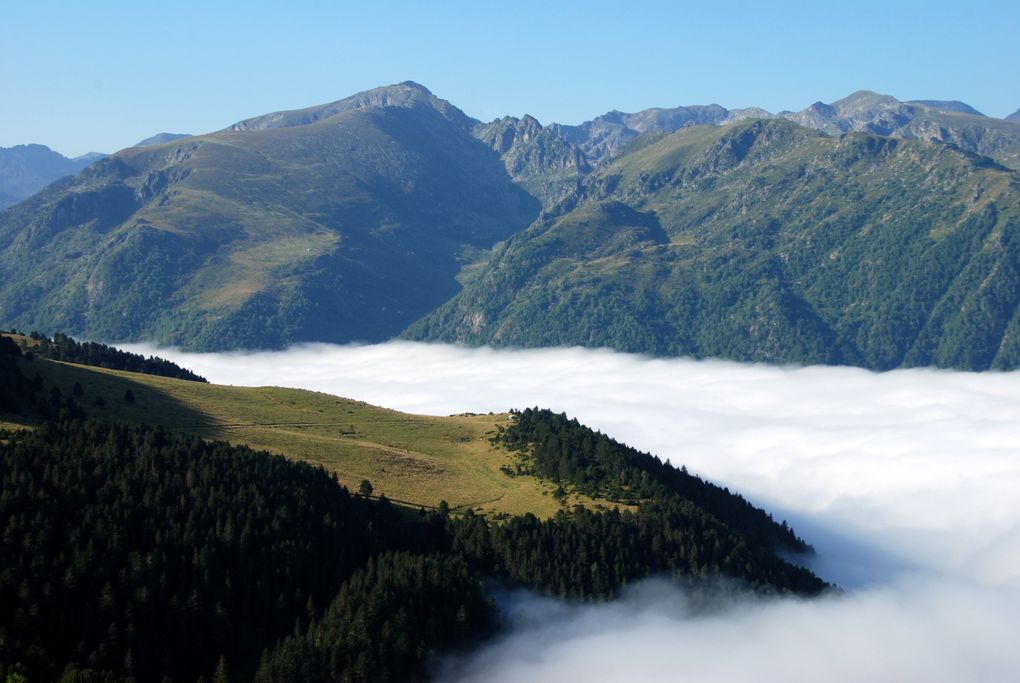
101	76
904	481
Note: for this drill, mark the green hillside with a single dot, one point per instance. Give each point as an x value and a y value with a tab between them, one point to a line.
341	224
135	550
419	460
766	241
135	553
156	556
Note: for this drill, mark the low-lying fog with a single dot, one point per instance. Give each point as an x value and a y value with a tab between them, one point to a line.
907	483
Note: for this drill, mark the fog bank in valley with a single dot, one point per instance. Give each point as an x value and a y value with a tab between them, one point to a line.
906	483
909	630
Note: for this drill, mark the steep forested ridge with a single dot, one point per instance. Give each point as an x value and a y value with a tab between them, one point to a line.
766	241
567	452
384	621
126	547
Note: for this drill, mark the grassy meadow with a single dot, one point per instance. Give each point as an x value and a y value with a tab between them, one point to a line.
416	460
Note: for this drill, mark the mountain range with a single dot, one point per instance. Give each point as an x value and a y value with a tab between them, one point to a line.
867	231
26	169
763	240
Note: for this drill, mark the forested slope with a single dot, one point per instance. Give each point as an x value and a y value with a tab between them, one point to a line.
131	552
766	241
342	223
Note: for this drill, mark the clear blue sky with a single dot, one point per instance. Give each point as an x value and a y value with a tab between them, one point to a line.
84	76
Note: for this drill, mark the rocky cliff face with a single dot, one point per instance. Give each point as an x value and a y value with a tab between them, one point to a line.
949	105
540	160
604	136
551	161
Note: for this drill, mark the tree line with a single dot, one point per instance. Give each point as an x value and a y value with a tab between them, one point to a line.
566	452
64	348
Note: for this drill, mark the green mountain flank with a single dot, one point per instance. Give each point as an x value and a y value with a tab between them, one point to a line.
339	224
766	241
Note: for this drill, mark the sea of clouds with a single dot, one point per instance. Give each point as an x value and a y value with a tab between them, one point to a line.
907	483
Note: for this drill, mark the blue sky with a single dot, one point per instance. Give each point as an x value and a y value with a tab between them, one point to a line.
102	75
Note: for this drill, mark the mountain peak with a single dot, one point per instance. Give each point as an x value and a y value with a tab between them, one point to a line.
748	113
406	95
864	100
415	86
1015	116
822	109
26	169
160	138
89	157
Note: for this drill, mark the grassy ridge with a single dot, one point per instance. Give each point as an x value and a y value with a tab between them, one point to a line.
415	459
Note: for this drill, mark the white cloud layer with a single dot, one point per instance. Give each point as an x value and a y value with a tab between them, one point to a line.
929	631
907	483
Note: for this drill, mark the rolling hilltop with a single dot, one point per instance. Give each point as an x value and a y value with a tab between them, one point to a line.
129	541
867	231
418	459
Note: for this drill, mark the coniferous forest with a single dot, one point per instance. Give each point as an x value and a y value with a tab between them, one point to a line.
133	553
64	348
